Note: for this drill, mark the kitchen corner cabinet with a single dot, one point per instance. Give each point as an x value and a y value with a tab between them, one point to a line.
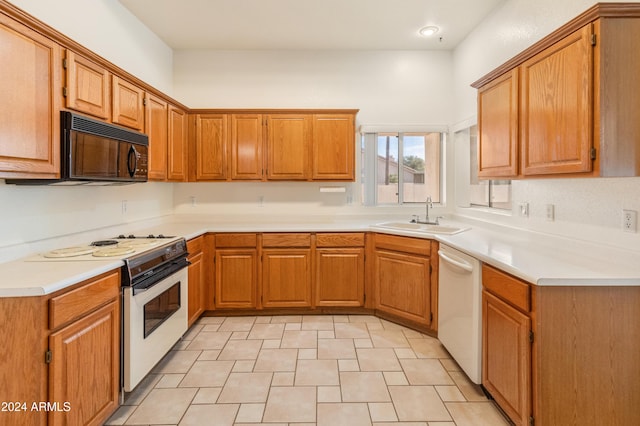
197	291
177	144
128	104
29	109
333	147
286	270
506	345
88	86
236	271
339	269
403	278
156	127
578	113
288	140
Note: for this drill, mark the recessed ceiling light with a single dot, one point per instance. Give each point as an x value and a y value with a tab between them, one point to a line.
429	31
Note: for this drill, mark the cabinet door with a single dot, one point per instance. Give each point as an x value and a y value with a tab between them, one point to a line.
246	147
157	129
128	104
286	278
29	103
333	147
177	145
236	278
88	86
557	107
195	305
498	127
211	147
288	139
506	357
403	286
85	369
340	277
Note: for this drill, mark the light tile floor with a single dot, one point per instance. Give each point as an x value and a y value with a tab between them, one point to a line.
325	370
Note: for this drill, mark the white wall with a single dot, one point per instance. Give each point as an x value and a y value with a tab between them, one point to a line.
388	87
585	208
29	214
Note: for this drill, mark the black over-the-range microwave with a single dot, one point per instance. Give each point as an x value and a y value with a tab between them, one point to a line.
97	153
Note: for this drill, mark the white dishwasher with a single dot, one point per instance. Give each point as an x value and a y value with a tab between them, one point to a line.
460	309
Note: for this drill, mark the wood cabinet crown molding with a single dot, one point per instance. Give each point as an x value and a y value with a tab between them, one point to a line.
599	10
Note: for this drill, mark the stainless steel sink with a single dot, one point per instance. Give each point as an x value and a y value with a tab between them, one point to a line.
419	227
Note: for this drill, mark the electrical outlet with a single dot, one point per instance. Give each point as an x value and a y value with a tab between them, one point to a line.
261	200
551	214
124	206
524	209
629	220
193	201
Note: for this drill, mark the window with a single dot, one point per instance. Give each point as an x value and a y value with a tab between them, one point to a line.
486	193
401	168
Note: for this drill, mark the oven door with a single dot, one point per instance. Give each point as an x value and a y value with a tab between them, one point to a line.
154	320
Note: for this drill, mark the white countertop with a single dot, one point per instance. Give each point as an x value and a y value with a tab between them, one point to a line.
536	258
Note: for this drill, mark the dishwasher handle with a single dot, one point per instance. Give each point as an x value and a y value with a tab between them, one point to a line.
462	264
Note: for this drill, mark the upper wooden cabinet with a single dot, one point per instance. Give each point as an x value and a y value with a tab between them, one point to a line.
88	86
288	143
29	103
246	147
498	127
177	144
333	147
211	146
576	94
156	127
128	104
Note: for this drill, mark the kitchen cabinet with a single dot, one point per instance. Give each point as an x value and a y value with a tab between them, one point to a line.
246	147
575	116
286	270
64	350
236	271
197	290
506	345
211	146
288	140
333	147
339	269
402	274
128	104
177	144
498	127
30	103
156	127
88	86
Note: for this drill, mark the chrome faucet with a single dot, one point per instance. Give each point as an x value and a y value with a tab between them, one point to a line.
416	218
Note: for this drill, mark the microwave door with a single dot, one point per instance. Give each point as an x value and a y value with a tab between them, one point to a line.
93	157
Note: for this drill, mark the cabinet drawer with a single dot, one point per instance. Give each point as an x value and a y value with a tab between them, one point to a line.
286	240
236	240
194	245
82	300
404	244
340	240
508	288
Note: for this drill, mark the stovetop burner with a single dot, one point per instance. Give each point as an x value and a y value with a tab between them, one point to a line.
103	243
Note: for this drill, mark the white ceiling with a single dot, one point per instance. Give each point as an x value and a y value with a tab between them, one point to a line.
310	24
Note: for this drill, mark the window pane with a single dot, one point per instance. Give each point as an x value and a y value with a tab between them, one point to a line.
421	159
387	169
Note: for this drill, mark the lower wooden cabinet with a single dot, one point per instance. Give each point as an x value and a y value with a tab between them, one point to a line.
236	271
286	278
403	278
339	269
196	293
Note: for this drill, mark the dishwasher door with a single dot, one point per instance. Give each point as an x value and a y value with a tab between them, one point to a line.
460	309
